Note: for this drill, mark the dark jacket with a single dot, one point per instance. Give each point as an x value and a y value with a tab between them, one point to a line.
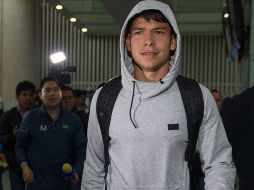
1	112
83	116
9	120
46	145
238	119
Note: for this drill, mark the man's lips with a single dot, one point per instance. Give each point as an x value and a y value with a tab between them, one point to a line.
148	53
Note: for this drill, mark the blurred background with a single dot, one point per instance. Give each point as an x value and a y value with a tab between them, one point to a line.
217	42
216	38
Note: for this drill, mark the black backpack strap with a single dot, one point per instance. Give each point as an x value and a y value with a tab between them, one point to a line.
194	108
193	103
104	107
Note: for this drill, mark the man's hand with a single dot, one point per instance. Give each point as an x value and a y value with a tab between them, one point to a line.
3	162
27	173
15	131
75	178
2	157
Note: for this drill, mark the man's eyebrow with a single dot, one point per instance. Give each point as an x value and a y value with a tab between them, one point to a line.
142	28
160	28
54	87
137	28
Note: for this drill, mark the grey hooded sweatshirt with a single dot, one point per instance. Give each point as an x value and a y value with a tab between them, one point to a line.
151	156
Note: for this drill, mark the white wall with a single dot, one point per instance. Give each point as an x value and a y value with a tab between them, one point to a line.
18	46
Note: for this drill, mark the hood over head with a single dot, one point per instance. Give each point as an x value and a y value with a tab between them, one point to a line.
153	88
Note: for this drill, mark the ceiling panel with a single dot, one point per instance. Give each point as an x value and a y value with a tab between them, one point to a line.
95	6
198	5
105	17
95	19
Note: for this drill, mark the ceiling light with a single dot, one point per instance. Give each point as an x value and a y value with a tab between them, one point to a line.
59	7
57	57
73	19
226	15
84	30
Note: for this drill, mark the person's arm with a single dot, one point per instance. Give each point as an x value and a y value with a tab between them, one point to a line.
2	158
21	148
80	151
93	174
3	134
214	148
6	135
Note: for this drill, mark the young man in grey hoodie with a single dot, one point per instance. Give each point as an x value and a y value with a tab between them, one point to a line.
143	152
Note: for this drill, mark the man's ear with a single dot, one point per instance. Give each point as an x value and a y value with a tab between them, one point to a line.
128	42
173	43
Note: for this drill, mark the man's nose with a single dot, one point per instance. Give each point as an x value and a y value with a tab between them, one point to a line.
51	92
29	97
149	39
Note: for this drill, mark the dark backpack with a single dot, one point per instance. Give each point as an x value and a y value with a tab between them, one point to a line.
194	107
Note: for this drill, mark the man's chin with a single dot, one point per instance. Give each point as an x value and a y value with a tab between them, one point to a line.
52	105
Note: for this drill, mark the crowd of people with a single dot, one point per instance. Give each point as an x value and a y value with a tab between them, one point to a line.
48	143
44	122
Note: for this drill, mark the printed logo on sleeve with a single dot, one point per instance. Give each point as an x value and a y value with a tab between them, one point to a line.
43	128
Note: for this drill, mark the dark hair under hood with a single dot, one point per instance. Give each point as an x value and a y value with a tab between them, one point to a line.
126	59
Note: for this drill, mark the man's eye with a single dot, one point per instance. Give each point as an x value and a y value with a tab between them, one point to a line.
137	32
159	32
55	89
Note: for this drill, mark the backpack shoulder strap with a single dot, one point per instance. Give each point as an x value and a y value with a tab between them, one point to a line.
104	107
193	103
194	108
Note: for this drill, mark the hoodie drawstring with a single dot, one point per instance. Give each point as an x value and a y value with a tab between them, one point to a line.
133	90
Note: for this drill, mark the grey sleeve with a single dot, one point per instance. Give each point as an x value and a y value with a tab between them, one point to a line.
214	148
93	174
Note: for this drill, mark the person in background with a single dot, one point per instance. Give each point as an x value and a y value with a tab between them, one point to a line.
49	138
79	98
67	100
9	126
79	106
37	99
148	132
2	160
238	118
217	97
68	103
2	157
